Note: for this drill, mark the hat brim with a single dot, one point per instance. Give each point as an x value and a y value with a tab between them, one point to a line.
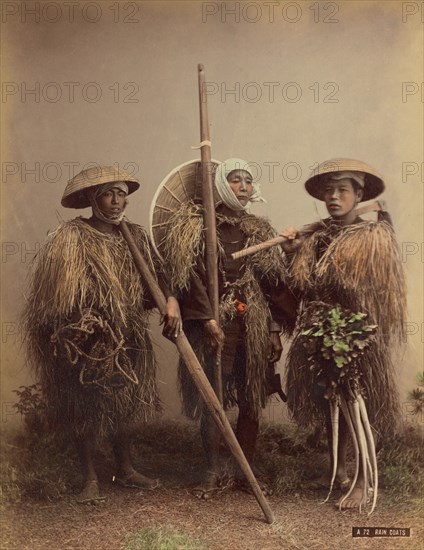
373	182
373	186
79	198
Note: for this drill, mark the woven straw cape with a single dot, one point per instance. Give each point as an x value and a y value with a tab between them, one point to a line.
182	184
374	184
75	195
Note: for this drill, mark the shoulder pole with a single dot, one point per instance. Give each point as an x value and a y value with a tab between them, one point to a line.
209	218
199	377
377	206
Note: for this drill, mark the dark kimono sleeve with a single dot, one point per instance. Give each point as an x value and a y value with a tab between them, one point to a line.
194	302
283	307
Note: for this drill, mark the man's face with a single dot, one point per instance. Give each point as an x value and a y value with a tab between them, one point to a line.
341	197
112	202
241	183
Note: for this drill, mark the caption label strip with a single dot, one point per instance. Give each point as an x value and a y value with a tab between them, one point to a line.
381	532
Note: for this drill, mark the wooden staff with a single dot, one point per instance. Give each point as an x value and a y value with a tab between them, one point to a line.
209	219
198	375
373	207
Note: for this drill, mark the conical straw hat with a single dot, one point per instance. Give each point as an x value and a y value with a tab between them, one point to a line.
374	184
75	195
182	184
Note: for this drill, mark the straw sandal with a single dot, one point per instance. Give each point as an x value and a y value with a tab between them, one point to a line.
90	494
136	480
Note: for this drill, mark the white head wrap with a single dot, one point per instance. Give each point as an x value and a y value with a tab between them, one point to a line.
223	187
95	192
359	177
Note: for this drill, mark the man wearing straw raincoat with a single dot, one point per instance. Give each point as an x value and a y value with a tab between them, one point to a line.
255	306
86	322
349	277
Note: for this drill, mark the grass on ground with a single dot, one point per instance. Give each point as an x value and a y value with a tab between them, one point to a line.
44	466
161	539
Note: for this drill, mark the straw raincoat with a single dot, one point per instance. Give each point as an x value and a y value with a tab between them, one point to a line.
86	320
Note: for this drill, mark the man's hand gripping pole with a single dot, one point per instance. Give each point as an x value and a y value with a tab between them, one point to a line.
377	206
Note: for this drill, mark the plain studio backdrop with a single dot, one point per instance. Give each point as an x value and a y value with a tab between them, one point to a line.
290	84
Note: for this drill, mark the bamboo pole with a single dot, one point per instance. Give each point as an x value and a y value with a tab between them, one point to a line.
198	375
209	219
376	206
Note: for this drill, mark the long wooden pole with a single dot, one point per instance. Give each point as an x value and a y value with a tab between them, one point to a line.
372	207
209	218
198	375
